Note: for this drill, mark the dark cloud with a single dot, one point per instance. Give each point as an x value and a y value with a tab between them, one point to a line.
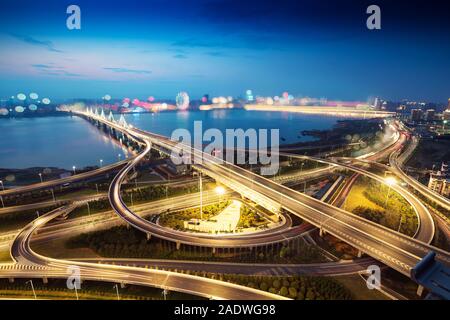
42	66
51	69
217	54
35	42
126	70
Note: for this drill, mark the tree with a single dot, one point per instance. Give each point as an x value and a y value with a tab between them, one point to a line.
292	292
284	291
263	286
276	284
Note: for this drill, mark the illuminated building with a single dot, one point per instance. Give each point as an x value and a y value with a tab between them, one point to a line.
440	181
416	115
429	115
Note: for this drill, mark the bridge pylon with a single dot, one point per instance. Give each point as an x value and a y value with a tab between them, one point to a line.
122	121
102	115
111	117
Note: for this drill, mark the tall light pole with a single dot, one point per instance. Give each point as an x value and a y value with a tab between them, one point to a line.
3	204
76	291
220	191
101	163
390	181
40	177
74	170
400	223
119	156
53	195
32	288
165	293
443	126
116	286
201	195
3	187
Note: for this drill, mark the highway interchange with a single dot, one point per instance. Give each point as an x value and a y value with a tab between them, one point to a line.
393	249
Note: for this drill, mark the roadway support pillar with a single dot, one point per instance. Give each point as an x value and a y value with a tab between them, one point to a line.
360	253
45	280
149	236
178	245
122	285
11	280
321	233
419	290
214	250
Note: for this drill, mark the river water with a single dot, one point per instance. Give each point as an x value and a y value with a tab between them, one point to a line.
64	142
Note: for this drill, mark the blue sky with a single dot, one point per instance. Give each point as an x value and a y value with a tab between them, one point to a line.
223	47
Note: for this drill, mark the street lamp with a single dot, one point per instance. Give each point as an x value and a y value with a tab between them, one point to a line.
3	187
201	194
40	176
120	156
443	126
220	191
101	163
32	287
390	181
74	171
116	286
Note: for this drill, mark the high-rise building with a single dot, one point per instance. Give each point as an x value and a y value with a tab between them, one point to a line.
429	115
448	105
440	181
416	115
446	115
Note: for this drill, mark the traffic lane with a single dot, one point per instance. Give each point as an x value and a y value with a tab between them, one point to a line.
266	186
324	269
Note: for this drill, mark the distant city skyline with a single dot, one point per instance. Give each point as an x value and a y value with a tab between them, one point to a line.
137	49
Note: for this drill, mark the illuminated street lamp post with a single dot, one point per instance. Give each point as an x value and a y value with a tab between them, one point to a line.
400	223
390	182
443	126
53	195
220	191
74	170
3	187
165	293
3	204
40	177
201	195
32	287
101	163
119	156
117	291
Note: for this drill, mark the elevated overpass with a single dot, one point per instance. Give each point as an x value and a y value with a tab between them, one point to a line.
396	250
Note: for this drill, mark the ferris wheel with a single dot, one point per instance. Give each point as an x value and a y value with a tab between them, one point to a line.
182	100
